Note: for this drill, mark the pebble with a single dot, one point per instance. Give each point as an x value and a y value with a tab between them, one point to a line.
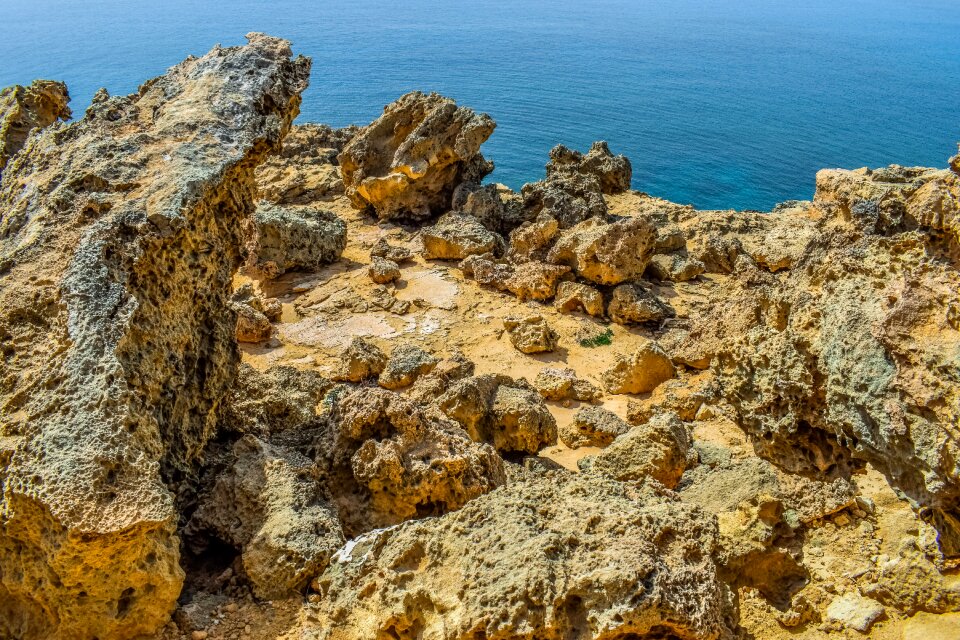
199	635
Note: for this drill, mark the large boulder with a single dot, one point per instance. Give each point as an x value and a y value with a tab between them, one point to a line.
305	171
121	233
557	556
456	236
612	172
292	238
606	253
26	109
569	198
407	163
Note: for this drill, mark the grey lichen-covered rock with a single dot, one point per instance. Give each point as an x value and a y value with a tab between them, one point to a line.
496	207
407	163
27	109
659	449
360	361
634	304
520	563
530	334
383	271
563	384
502	411
606	253
291	238
456	236
119	354
406	364
279	398
639	372
593	427
268	506
612	172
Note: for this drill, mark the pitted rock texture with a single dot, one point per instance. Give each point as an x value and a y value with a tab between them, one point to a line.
290	238
458	577
593	427
606	253
407	163
262	403
27	109
569	198
116	359
305	171
505	412
639	372
456	236
613	172
530	334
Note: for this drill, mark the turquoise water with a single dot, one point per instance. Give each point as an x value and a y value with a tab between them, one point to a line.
724	103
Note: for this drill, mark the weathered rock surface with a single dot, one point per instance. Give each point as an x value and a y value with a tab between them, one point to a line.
530	334
593	427
387	251
612	172
27	109
633	304
528	280
659	449
456	236
640	372
573	296
118	356
296	238
502	411
383	271
266	402
641	569
569	198
406	364
267	504
563	384
305	171
606	253
407	163
360	361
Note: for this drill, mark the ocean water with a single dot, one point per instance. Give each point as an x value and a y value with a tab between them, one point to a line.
718	103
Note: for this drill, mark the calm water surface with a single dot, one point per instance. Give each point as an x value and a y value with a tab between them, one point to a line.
723	103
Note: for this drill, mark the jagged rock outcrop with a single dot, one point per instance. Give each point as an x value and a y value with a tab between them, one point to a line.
505	412
530	334
267	504
641	568
528	280
360	361
406	364
120	235
290	238
27	109
456	236
261	403
606	253
407	163
569	198
612	172
305	171
593	427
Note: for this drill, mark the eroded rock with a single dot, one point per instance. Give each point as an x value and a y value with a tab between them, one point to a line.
296	238
593	427
640	372
612	172
530	334
406	364
606	253
362	360
26	109
456	236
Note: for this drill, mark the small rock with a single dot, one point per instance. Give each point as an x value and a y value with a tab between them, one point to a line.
854	611
199	635
563	385
676	267
296	238
530	334
383	271
360	361
593	427
406	364
574	295
456	236
640	372
385	250
633	304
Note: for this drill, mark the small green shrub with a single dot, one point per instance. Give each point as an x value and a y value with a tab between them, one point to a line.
599	340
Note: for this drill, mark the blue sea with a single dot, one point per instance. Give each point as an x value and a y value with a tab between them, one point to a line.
718	103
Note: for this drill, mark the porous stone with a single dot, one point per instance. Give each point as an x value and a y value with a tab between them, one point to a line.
563	384
383	271
572	296
606	253
530	334
305	171
407	163
676	267
855	612
291	238
528	280
265	402
633	304
593	427
387	251
406	364
612	172
505	412
27	109
659	449
360	361
456	236
641	569
532	239
640	372
118	357
493	205
569	198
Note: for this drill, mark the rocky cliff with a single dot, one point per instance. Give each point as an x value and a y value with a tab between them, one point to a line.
298	382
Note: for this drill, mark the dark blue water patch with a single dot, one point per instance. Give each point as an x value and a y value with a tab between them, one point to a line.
723	103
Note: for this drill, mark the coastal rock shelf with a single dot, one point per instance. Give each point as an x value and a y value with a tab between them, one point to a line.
265	380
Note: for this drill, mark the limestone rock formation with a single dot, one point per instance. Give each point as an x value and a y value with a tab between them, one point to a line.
606	253
261	403
639	372
296	238
456	236
406	364
613	172
563	384
383	249
383	271
677	267
305	171
493	205
642	568
530	334
362	360
573	296
407	163
27	109
119	354
569	198
502	411
593	427
633	304
528	280
659	449
266	504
